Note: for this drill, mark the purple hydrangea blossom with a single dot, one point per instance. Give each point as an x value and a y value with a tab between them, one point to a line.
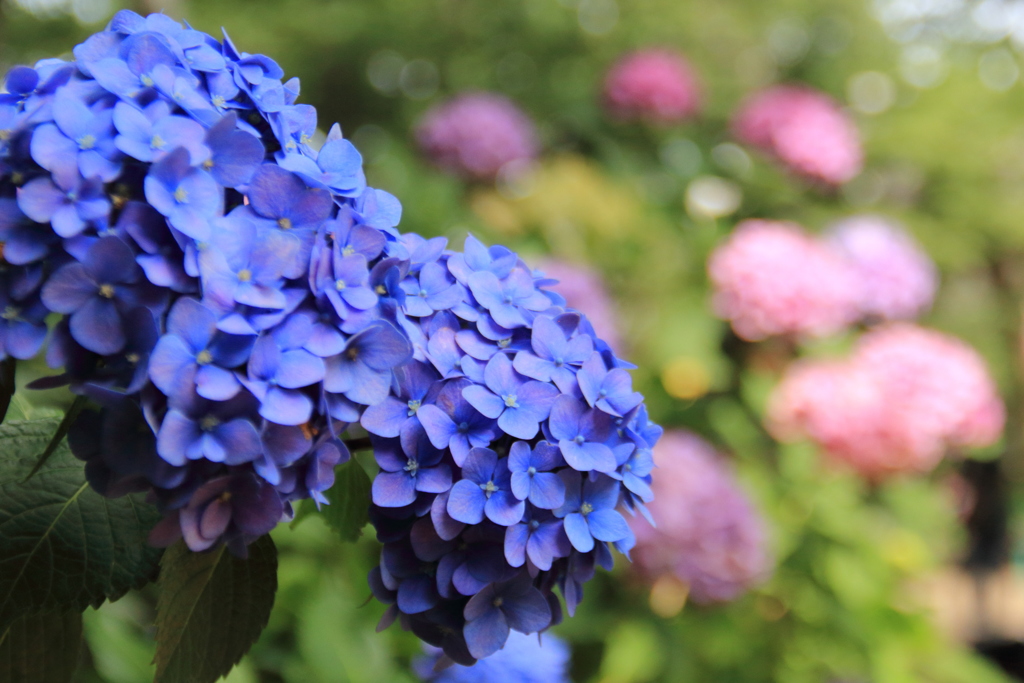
338	166
66	202
498	608
451	422
362	371
517	404
485	490
152	133
24	240
276	376
79	141
194	356
98	292
589	512
552	357
532	477
219	431
506	300
580	434
414	382
189	197
22	314
409	465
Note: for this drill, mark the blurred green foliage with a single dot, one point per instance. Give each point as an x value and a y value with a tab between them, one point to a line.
948	160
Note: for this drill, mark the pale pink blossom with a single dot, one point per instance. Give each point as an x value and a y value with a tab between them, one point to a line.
902	399
772	278
804	129
709	535
654	85
898	279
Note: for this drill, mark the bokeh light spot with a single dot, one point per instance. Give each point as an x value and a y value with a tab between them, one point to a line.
383	71
668	596
712	197
871	92
598	17
685	378
998	69
418	79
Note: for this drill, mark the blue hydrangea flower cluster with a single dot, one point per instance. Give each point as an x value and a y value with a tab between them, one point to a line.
233	300
507	448
229	296
525	659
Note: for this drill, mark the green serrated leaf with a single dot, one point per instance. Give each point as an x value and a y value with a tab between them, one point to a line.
349	498
212	608
41	648
62	545
7	367
58	435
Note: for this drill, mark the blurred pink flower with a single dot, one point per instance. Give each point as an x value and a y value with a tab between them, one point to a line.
584	290
709	535
805	129
772	278
898	279
903	398
653	85
477	134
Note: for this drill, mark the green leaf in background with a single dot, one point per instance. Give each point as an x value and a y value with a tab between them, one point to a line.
58	434
349	509
212	608
62	545
41	648
7	366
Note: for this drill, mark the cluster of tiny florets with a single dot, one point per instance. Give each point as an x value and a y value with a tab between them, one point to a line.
225	293
904	398
234	299
507	449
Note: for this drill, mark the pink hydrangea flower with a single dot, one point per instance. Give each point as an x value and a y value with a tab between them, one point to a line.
804	129
584	290
709	535
476	135
653	85
904	397
898	279
772	278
